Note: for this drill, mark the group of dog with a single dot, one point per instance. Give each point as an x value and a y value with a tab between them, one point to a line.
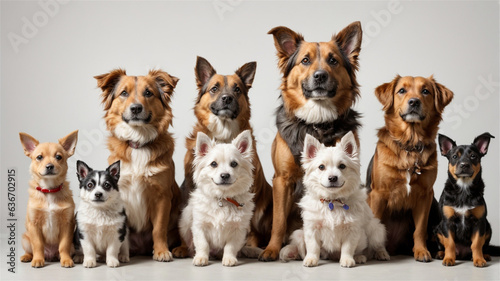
317	206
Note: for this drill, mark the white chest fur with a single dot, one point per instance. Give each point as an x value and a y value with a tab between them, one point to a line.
314	111
223	130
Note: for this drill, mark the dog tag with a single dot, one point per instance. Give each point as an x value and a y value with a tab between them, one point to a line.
330	206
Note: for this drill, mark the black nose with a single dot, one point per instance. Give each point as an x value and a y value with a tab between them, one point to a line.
464	165
136	108
98	195
332	178
227	99
49	167
225	176
320	76
414	102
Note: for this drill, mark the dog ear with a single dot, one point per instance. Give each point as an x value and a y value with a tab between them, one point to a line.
247	73
114	170
445	144
203	71
385	93
29	143
203	144
82	170
443	95
166	84
244	143
69	142
107	83
311	147
349	41
348	144
286	42
482	142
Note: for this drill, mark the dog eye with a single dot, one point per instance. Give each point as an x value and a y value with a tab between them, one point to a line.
473	156
237	89
214	89
342	166
454	156
106	185
402	91
305	61
58	157
213	164
90	185
332	61
148	93
234	164
39	157
321	167
425	92
124	94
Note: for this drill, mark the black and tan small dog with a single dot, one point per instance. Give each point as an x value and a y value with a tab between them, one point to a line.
464	229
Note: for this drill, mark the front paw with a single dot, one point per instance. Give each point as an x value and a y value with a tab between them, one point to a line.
89	263
422	255
112	261
26	257
163	256
479	262
360	259
310	261
229	261
200	260
269	254
68	262
180	252
382	255
347	262
37	263
78	258
448	261
123	258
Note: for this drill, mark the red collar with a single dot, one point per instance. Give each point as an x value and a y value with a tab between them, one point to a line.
232	201
53	190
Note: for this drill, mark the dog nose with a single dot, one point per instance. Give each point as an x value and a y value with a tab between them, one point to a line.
136	108
464	166
98	195
320	76
414	102
227	99
225	176
332	178
49	167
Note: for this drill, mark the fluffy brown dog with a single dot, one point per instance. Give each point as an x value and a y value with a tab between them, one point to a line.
223	111
318	89
138	116
402	172
50	219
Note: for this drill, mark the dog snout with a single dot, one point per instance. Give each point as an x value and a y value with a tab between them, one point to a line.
414	103
98	195
227	99
49	167
464	166
225	176
136	108
320	76
332	179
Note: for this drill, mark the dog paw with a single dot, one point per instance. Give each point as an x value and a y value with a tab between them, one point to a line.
422	255
310	261
347	262
229	261
89	263
112	262
180	252
289	252
200	261
123	258
479	262
487	257
26	257
78	258
269	254
360	259
37	263
68	262
251	252
448	261
440	255
163	256
382	255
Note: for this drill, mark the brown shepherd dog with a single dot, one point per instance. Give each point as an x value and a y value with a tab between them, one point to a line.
318	90
223	112
402	172
138	116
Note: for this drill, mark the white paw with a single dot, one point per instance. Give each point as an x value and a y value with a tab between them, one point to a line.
347	262
289	252
229	261
89	263
78	259
112	262
310	261
163	256
123	258
382	255
200	261
360	259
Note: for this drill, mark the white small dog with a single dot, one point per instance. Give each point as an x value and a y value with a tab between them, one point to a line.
337	219
219	210
101	222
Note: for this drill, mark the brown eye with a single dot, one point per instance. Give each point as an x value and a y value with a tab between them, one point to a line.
39	157
148	93
425	92
214	89
58	157
342	166
237	89
305	61
90	185
234	164
402	91
213	164
321	167
332	61
124	94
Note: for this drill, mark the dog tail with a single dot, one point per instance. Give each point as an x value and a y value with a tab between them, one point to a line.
369	175
296	249
493	250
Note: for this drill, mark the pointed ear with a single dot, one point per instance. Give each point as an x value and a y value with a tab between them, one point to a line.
445	144
482	142
82	170
203	144
349	41
244	143
69	142
166	84
107	83
311	147
29	143
114	170
203	71
247	73
348	144
443	95
385	93
286	42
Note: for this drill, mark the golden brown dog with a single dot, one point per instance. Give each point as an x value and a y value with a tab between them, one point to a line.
223	111
403	170
138	116
318	89
50	219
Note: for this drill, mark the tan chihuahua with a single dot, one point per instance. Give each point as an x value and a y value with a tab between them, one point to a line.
50	219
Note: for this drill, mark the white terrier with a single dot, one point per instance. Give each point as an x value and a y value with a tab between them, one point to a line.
337	219
219	210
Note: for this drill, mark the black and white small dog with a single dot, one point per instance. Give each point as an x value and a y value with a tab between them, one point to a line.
101	222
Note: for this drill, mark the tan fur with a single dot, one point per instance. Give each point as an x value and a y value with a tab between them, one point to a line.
449	255
50	218
477	249
392	162
448	211
477	212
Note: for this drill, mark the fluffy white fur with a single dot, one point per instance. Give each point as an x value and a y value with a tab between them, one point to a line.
317	111
206	226
223	129
353	234
140	134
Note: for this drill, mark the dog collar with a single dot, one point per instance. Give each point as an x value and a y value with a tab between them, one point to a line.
135	144
419	147
53	190
232	201
330	203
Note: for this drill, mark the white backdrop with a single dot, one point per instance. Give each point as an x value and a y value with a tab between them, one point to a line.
50	51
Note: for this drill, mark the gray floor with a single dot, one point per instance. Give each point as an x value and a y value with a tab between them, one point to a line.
143	268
